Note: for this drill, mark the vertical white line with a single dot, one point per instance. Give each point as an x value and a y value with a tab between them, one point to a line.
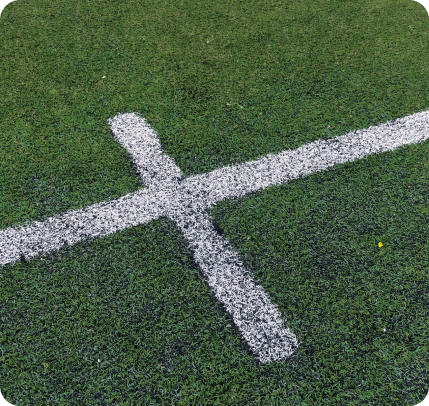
256	317
141	141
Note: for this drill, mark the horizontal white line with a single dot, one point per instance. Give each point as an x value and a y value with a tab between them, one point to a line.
204	191
97	220
276	169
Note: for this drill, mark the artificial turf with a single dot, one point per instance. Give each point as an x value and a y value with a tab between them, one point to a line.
221	83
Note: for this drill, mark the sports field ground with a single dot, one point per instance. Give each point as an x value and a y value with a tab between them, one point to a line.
133	315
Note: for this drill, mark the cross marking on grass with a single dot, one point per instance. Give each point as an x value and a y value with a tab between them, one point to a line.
186	201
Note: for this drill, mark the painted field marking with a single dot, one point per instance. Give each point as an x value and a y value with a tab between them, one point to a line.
186	201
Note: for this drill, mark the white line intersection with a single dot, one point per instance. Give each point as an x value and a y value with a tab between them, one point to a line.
187	200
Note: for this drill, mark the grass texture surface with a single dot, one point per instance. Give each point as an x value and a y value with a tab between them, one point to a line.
128	319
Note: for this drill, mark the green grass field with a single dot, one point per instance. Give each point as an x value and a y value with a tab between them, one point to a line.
128	319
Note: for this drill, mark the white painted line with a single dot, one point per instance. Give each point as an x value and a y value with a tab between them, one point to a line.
141	141
256	317
276	169
186	202
101	219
